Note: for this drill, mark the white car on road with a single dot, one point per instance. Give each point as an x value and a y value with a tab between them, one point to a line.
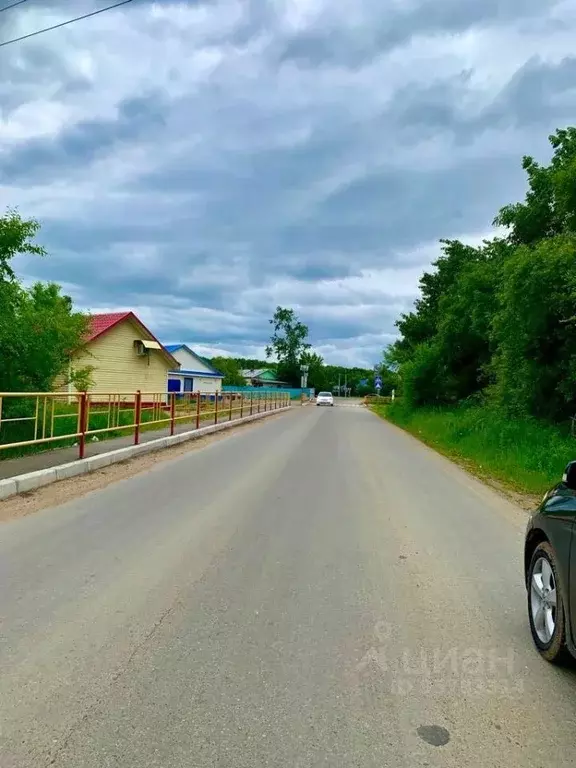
324	398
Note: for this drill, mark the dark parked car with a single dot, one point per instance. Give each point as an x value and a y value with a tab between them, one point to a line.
550	570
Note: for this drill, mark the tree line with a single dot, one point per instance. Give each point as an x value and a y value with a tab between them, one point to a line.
289	348
496	323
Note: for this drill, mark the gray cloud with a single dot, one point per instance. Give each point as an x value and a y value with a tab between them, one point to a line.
385	25
201	163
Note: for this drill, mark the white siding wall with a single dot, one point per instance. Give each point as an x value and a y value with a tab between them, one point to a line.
208	384
190	362
200	383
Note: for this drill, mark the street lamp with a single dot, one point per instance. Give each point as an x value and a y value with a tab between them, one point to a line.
304	377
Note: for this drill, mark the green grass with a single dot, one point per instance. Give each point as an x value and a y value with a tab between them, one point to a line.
525	454
66	421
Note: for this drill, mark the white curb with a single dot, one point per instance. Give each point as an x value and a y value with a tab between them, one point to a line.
28	482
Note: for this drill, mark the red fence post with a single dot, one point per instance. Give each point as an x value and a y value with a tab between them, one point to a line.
230	415
82	425
216	408
198	410
241	404
137	416
172	411
251	402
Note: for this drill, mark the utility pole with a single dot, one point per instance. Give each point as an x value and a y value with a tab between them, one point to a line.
339	390
345	384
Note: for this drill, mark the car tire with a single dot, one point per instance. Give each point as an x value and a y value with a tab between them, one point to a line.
547	622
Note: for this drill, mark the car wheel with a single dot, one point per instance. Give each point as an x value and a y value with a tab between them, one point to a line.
546	605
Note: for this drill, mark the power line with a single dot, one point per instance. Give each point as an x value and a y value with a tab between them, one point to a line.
12	5
62	23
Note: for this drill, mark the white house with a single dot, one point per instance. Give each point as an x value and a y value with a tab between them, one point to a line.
195	374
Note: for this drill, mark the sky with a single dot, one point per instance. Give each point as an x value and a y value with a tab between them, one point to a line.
201	163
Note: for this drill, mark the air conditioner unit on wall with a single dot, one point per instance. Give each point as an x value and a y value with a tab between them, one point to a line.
141	350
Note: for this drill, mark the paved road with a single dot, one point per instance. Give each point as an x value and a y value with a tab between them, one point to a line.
318	591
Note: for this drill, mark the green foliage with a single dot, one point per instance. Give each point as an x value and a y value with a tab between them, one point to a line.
550	205
251	363
525	453
322	376
231	370
39	328
288	343
16	236
534	330
318	375
82	379
499	319
425	376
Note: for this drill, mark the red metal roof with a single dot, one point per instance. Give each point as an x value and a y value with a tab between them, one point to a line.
101	323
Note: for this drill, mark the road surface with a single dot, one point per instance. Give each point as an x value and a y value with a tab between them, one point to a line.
320	590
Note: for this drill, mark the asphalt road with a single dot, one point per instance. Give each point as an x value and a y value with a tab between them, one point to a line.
320	590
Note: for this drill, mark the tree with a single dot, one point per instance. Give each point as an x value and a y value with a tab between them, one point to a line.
288	343
534	331
231	370
82	379
550	205
16	239
251	363
318	376
444	348
499	320
39	329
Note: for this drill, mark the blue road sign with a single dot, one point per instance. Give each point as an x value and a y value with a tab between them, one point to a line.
378	382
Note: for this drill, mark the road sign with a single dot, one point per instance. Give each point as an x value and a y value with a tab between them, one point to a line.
378	382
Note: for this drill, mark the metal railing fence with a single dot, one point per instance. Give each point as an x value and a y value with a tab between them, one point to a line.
32	419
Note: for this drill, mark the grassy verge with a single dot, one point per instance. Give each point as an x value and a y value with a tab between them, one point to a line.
526	455
118	424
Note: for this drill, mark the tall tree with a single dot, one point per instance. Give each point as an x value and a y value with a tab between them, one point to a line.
317	372
288	343
39	329
534	330
16	238
550	205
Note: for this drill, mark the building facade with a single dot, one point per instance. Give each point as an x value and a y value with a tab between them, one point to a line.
124	356
194	374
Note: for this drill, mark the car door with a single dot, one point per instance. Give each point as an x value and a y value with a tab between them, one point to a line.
559	510
572	582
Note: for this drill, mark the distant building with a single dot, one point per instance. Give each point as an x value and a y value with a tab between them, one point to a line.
262	377
195	374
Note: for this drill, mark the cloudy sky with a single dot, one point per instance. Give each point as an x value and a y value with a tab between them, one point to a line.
202	162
